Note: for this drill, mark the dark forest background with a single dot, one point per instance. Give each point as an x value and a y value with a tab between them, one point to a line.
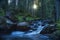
46	9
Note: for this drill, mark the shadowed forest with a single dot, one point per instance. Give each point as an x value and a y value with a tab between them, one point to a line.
29	19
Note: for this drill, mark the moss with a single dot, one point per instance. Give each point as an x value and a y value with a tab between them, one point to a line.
28	18
58	25
2	12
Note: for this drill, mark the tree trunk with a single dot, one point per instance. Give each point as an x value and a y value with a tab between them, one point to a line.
57	5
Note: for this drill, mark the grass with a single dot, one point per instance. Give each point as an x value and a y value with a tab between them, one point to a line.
58	25
20	18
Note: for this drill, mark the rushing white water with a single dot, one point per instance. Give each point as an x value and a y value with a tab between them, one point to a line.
17	33
35	35
39	29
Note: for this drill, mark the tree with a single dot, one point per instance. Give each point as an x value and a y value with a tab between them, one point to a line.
57	5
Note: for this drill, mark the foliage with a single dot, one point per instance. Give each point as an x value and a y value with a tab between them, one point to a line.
24	9
2	12
58	25
49	8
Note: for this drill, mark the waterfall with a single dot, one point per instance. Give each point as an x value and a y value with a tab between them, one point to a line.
39	29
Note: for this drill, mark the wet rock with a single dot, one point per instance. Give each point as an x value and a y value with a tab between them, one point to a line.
55	35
